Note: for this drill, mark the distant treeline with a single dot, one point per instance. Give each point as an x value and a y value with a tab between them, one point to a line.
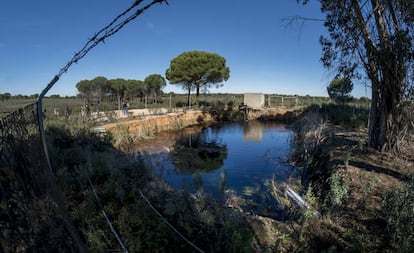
120	89
7	96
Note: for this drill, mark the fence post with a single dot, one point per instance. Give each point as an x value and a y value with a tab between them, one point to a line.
55	192
40	121
170	104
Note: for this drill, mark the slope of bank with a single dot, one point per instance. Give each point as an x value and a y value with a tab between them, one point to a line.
153	124
364	195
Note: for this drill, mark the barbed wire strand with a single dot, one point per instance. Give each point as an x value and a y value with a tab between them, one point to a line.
106	216
109	30
169	224
93	42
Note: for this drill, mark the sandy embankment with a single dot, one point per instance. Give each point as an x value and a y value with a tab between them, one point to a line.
151	125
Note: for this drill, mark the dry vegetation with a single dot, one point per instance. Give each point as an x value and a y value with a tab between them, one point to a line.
364	195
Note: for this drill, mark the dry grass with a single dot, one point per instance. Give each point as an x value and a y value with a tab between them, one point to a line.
360	224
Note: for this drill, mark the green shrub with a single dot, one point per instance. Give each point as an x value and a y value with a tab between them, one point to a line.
338	190
398	208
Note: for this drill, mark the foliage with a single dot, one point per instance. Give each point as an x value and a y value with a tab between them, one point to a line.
311	145
118	87
224	112
99	85
197	70
398	208
123	90
374	40
84	163
308	139
31	209
85	88
338	190
135	89
5	96
340	89
93	90
154	84
308	214
343	115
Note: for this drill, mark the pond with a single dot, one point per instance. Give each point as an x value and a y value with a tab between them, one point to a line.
234	163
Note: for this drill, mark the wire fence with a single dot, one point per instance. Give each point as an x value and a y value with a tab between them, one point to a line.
71	110
33	207
29	193
180	101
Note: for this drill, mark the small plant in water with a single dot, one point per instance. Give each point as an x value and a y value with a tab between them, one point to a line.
223	176
198	181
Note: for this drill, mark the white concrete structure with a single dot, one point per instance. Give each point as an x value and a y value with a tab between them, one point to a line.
254	100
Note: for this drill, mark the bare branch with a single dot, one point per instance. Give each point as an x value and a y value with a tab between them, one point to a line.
299	20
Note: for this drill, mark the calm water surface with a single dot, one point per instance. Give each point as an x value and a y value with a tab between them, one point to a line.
235	158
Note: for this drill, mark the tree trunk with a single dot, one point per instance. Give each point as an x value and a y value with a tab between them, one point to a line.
372	135
198	91
385	82
384	122
377	126
119	101
188	96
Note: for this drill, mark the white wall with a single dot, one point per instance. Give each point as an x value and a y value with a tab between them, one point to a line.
254	100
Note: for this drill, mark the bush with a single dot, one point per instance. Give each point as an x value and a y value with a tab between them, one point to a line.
399	206
338	190
346	115
82	158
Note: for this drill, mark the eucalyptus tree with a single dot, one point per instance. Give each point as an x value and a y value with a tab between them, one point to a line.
373	39
194	70
154	84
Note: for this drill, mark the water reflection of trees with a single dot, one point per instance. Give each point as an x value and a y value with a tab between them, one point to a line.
194	153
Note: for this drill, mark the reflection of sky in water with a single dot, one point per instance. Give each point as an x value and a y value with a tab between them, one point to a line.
255	152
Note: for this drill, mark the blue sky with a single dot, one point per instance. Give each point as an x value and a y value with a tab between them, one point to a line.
38	38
